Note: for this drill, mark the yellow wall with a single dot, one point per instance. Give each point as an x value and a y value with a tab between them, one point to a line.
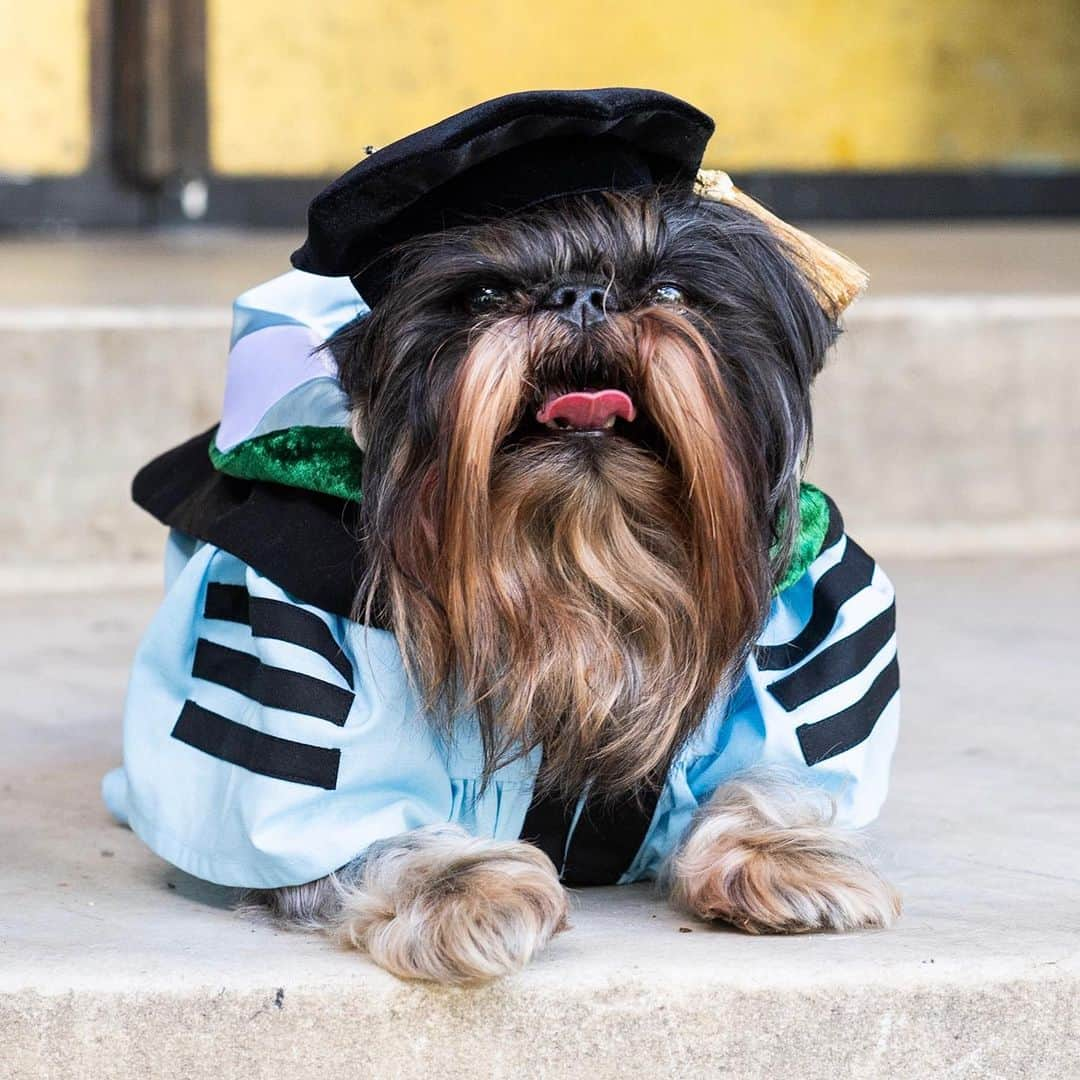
44	86
299	87
802	84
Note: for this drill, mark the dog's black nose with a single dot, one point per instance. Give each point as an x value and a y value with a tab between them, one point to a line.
579	302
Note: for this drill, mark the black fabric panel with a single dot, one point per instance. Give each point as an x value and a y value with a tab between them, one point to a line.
837	663
547	826
302	541
827	738
274	687
278	620
832	590
227	602
605	841
255	751
608	836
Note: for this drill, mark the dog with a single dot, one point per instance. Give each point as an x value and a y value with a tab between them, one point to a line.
581	428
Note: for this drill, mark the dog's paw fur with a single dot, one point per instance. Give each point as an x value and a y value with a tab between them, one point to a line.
439	905
764	857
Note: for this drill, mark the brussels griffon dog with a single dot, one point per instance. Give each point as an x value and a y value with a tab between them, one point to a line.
583	424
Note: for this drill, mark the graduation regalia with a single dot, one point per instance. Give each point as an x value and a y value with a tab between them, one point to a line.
268	738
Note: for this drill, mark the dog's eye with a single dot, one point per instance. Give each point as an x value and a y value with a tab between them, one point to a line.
666	293
485	298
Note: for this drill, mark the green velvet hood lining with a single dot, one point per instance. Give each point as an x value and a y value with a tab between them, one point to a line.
322	459
327	460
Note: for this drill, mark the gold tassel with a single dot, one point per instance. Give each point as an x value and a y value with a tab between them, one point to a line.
835	279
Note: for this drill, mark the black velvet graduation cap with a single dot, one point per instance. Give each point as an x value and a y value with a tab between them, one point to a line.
504	155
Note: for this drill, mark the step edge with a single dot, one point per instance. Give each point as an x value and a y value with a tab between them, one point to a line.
960	306
1038	537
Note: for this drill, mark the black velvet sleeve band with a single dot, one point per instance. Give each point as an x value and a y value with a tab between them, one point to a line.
302	541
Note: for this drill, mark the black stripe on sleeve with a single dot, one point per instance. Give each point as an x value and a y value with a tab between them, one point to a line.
228	602
837	663
278	620
833	589
256	751
274	687
827	738
286	622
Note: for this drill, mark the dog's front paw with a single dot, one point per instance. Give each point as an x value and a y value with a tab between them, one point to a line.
764	857
439	905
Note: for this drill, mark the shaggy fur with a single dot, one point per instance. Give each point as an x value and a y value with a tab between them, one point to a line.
587	593
764	856
435	904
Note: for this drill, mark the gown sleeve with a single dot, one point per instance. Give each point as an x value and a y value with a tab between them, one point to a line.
819	699
267	742
821	690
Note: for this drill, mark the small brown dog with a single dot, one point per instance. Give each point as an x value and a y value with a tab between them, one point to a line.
639	645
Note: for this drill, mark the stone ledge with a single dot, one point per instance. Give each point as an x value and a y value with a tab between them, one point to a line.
1006	1028
115	965
210	266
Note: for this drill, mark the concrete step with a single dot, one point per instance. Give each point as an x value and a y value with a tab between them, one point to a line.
945	421
112	964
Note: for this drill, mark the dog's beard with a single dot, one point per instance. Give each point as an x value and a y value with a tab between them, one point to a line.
588	594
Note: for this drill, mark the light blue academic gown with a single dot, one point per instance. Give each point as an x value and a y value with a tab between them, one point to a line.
268	742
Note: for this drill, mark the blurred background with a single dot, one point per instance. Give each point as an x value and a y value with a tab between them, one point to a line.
156	160
119	112
157	156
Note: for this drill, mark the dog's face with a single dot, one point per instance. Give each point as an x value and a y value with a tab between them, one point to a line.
583	429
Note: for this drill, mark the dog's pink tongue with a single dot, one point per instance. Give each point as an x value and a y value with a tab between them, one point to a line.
588	410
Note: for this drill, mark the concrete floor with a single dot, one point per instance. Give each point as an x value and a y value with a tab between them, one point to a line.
114	964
